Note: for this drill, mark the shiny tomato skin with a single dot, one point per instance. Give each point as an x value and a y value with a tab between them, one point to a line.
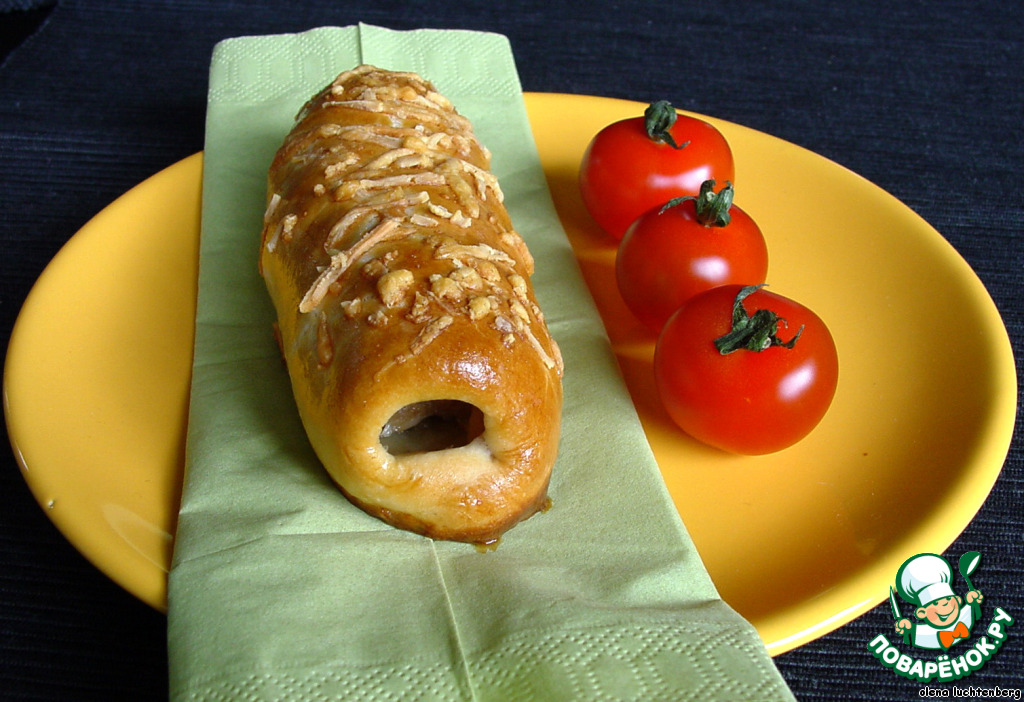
665	258
745	402
624	172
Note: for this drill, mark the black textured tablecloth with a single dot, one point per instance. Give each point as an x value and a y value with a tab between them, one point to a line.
926	99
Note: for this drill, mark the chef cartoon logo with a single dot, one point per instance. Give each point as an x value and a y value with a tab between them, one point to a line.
942	618
946	619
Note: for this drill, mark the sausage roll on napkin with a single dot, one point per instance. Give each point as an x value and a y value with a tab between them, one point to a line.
420	362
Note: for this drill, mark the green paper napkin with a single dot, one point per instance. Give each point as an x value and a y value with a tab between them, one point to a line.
280	589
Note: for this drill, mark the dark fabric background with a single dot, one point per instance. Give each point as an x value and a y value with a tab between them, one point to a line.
922	98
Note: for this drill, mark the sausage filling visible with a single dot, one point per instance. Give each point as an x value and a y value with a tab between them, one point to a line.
434	425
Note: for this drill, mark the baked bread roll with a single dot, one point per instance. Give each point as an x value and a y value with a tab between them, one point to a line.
420	362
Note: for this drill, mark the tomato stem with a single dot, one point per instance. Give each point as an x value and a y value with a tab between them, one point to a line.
755	332
712	208
658	120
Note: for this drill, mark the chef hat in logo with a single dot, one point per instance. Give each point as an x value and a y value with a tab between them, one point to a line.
924	579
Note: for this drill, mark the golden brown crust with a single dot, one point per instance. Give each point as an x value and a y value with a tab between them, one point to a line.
399	282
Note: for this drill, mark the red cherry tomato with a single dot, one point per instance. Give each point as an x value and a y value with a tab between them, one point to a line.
745	401
631	165
671	253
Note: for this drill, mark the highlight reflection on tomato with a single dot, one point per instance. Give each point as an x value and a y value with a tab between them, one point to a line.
741	400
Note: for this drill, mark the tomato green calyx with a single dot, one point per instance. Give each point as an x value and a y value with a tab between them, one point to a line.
755	332
658	120
712	208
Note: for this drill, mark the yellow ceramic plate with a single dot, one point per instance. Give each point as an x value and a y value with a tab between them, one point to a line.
799	542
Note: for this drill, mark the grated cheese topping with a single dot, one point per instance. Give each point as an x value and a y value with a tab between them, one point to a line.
389	160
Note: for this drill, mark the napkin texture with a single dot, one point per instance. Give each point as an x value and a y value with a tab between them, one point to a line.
281	589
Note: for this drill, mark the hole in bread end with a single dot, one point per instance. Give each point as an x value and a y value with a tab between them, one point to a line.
433	425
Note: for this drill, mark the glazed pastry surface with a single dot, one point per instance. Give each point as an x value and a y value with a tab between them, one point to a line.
421	364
